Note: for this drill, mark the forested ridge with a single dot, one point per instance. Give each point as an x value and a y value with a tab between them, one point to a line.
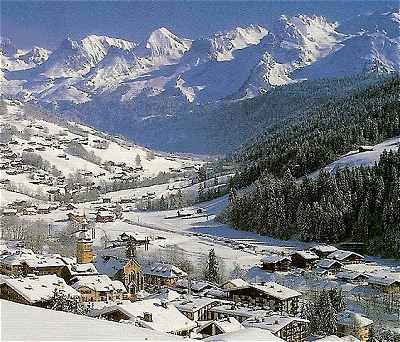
360	204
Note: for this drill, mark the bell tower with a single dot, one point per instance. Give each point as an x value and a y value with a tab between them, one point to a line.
84	251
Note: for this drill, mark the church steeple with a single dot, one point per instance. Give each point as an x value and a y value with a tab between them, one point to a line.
84	251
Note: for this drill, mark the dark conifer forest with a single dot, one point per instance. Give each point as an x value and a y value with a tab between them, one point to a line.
360	204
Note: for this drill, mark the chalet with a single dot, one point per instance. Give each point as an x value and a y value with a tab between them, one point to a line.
105	216
29	211
330	266
99	288
196	308
43	209
290	329
277	297
4	181
323	250
275	262
73	269
304	259
152	314
351	323
34	290
385	282
131	275
234	283
106	199
161	274
43	265
193	286
76	216
365	148
239	312
221	326
351	277
11	262
71	207
346	257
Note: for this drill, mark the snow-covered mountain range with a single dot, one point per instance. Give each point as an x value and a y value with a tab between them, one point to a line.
238	63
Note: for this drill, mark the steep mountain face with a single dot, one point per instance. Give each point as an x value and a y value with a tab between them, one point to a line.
165	73
13	59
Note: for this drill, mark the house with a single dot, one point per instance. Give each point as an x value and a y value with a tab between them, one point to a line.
11	262
43	209
161	274
33	289
99	288
72	269
277	297
221	326
328	266
351	323
234	283
323	250
152	314
29	211
238	311
193	286
304	259
275	262
71	207
131	275
248	334
290	329
352	277
76	216
385	282
346	257
43	264
196	308
105	216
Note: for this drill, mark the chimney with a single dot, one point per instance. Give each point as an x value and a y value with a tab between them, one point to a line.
148	317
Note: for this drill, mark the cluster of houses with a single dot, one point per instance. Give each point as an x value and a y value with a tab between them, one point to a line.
325	260
160	296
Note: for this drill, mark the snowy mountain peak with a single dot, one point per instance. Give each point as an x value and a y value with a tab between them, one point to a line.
36	55
163	47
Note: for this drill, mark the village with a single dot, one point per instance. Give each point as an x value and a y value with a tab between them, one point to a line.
91	229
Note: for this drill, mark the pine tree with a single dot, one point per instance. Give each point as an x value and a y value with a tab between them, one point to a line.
61	302
211	272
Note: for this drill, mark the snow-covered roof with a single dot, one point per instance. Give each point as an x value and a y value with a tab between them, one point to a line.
244	311
274	258
334	338
324	248
76	269
307	255
38	260
349	275
38	325
166	295
328	263
272	323
238	282
164	270
226	325
195	285
98	283
39	288
248	334
165	317
350	318
383	279
273	289
343	255
105	213
193	303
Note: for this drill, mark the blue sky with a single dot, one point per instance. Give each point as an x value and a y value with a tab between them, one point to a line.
47	23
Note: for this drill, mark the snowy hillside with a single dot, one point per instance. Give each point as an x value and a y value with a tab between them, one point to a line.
38	154
367	158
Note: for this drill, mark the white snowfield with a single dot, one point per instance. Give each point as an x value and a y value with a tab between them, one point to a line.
27	323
